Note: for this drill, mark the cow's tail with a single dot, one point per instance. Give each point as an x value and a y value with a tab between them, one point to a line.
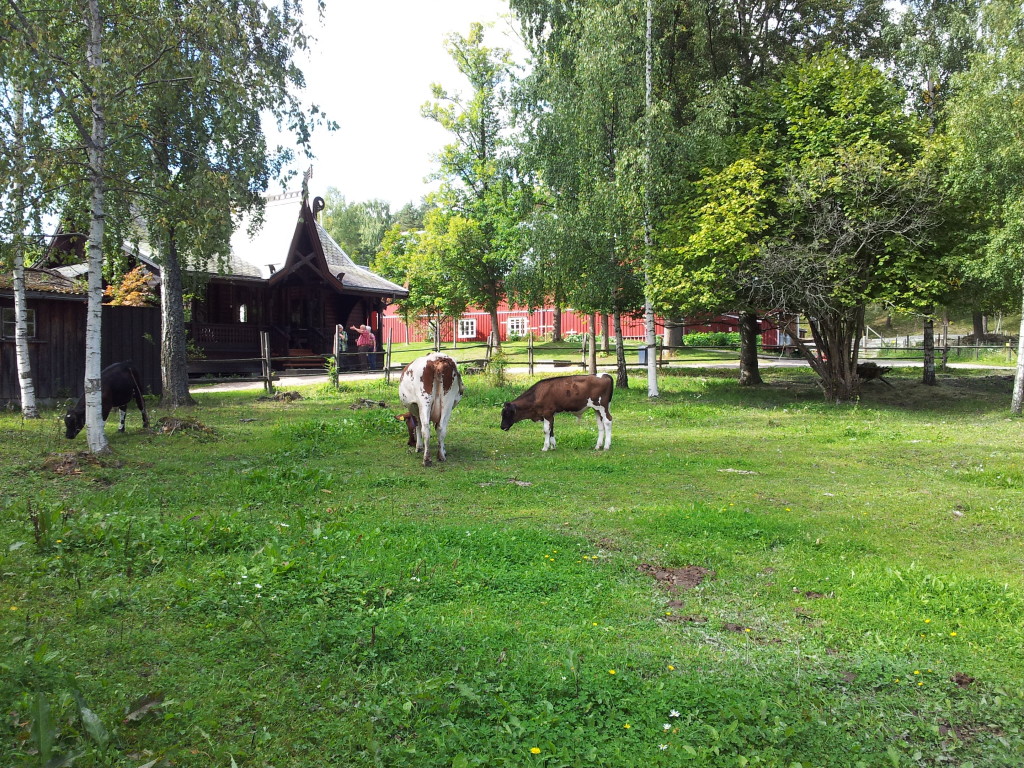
436	395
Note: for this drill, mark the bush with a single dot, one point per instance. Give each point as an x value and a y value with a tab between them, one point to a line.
711	339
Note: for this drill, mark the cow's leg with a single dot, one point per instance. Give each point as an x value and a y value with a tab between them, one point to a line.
604	429
442	430
124	415
549	433
423	438
142	409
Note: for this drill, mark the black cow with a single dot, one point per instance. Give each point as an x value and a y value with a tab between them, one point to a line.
120	383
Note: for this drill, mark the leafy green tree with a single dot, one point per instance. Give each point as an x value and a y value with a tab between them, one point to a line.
851	204
481	191
417	260
357	227
988	160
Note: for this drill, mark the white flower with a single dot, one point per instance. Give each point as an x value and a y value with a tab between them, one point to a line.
666	727
259	586
674	713
663	746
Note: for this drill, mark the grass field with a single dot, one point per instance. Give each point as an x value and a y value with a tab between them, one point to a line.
748	578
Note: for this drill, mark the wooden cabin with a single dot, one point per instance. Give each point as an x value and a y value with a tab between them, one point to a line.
292	280
56	327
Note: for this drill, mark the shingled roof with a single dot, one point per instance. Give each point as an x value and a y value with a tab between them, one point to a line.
44	281
265	252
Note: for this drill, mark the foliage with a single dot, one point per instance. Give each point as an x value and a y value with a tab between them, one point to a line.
134	290
711	339
358	228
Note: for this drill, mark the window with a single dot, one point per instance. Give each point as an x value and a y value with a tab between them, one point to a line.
7	323
243	313
518	326
467	328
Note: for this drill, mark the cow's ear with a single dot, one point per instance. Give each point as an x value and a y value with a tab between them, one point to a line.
402	416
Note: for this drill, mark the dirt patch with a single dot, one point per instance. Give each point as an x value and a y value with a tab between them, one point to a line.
279	397
72	463
363	403
675	579
962	680
730	627
680	618
810	595
171	424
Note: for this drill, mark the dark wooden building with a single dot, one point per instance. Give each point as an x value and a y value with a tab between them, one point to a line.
290	279
57	318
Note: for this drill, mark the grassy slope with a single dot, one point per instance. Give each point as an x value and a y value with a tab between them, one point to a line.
302	592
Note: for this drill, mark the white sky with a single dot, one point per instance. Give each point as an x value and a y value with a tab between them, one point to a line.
371	71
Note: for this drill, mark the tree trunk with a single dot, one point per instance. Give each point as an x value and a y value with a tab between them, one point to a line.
96	149
173	352
605	335
556	322
495	330
750	373
650	337
592	348
23	358
1017	403
835	337
621	373
674	333
978	324
928	376
29	409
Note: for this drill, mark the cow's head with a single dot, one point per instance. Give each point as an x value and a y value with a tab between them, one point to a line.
73	423
508	416
412	423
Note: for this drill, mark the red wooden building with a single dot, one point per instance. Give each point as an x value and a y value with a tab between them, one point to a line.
474	325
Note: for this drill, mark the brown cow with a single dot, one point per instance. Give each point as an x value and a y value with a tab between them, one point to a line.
564	394
431	386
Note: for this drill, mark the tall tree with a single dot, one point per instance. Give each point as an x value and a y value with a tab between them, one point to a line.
985	119
851	208
935	39
203	158
480	187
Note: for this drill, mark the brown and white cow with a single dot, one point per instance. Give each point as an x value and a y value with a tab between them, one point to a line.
430	386
564	394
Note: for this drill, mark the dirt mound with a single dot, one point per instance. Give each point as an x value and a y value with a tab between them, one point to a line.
70	463
171	424
675	579
279	397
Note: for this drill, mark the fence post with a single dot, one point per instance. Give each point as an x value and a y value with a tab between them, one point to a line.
945	357
338	331
529	353
268	383
387	360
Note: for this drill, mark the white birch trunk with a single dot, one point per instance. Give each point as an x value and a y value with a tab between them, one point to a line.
94	314
29	409
1017	404
651	338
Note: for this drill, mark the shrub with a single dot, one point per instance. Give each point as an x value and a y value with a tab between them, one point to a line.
711	339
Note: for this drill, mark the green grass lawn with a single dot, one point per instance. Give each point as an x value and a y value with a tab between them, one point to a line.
292	587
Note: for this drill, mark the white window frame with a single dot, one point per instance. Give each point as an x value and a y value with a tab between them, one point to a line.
8	323
519	326
467	327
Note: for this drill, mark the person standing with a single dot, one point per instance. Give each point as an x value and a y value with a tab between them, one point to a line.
366	345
